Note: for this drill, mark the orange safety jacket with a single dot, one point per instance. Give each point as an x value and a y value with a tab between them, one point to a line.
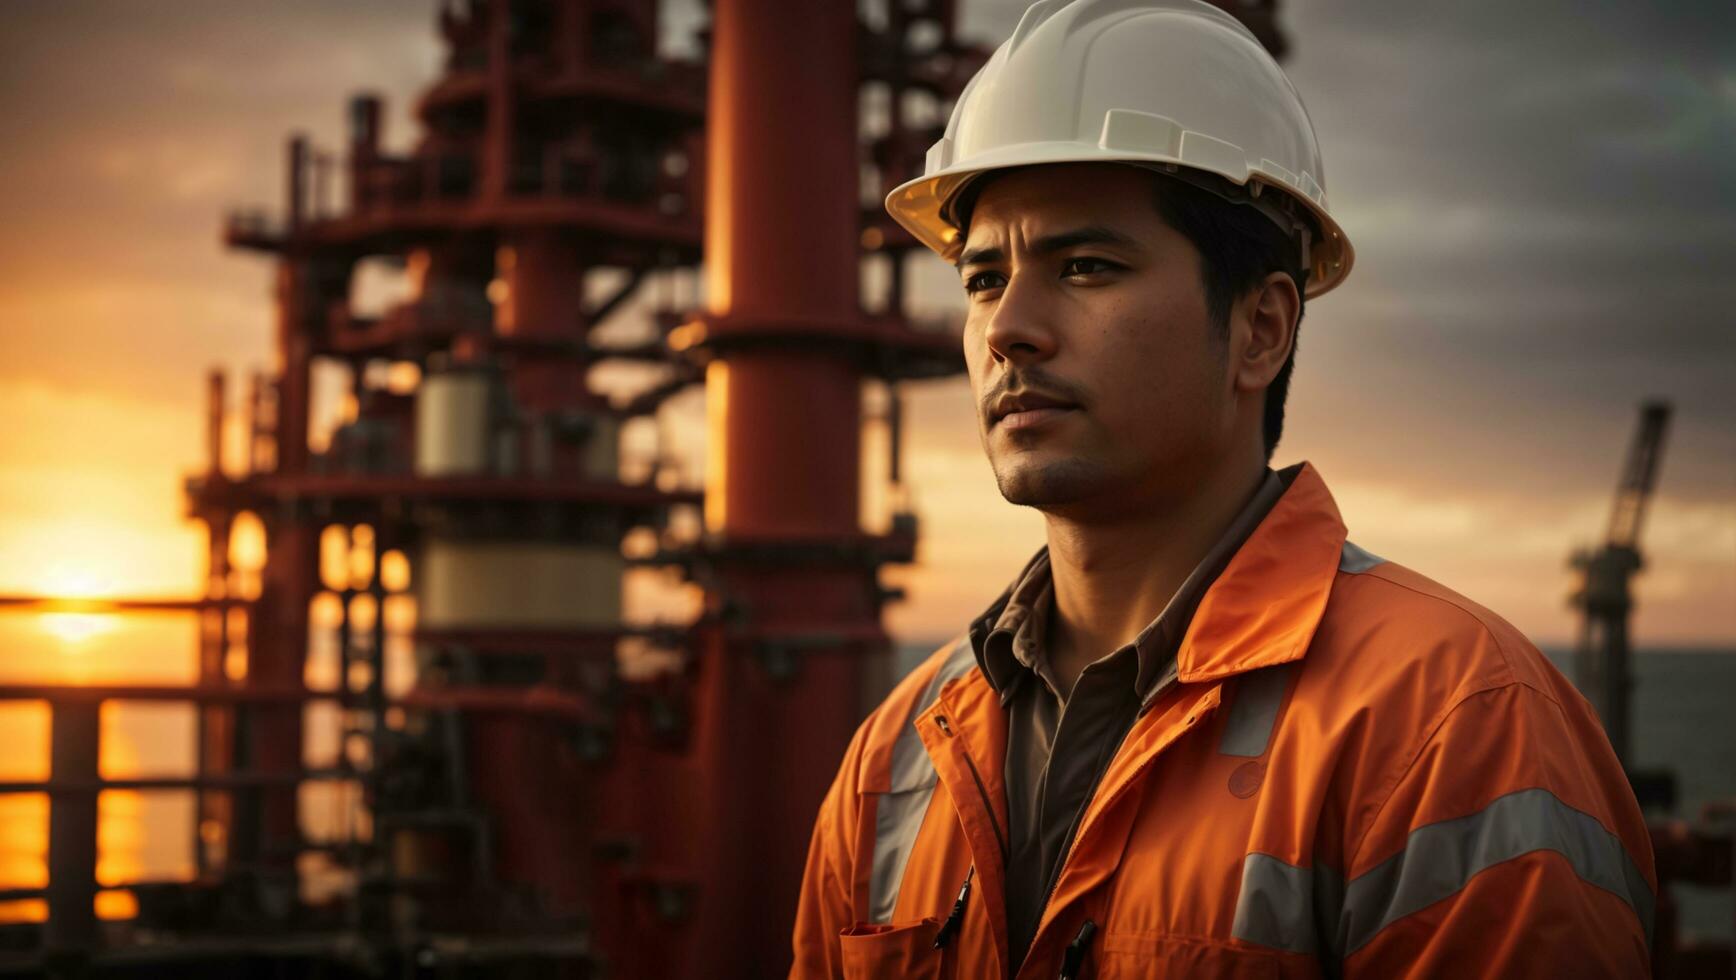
1352	771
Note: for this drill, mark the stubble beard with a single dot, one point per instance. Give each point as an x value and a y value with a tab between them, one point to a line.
1049	485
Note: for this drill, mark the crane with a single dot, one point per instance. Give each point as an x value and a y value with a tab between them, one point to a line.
1603	596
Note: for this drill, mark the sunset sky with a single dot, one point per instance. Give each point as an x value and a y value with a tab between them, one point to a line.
1542	197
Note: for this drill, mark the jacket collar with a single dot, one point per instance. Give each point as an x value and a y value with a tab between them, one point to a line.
1263	609
1258	611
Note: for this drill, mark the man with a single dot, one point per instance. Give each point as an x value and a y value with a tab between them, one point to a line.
1202	733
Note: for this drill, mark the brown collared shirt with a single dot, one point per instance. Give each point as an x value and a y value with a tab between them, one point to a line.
1060	741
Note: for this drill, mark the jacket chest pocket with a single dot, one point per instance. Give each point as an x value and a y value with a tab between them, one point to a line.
1124	956
895	950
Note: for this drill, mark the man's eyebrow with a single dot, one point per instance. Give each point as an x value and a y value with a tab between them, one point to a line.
1050	244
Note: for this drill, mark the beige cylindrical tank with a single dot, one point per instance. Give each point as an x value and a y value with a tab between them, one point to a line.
533	584
454	427
463	584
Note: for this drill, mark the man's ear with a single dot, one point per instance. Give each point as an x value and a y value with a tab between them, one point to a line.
1265	320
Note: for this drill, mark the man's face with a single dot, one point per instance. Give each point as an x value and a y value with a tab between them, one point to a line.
1087	312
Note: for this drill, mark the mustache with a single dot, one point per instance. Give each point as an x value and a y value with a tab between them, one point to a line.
1033	380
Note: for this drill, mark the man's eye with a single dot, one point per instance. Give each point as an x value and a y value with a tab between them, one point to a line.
977	282
1085	265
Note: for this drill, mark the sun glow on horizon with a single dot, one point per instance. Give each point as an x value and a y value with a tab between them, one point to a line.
73	629
70	579
70	586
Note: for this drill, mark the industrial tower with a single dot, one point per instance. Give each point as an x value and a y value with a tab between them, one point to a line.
658	814
1604	596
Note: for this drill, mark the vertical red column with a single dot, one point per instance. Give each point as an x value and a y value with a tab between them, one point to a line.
544	299
277	652
270	740
784	431
496	162
780	247
294	381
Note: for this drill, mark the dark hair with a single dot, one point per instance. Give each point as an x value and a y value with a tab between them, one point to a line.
1238	248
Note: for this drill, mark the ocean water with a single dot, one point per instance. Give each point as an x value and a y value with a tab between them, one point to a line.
1684	704
1685	721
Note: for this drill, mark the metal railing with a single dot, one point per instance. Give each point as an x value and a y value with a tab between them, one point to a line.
75	779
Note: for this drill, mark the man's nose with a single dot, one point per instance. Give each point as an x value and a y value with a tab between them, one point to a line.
1021	328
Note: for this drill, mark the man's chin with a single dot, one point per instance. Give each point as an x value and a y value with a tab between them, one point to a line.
1047	485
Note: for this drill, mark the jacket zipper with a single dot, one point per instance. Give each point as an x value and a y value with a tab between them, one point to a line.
1079	816
982	790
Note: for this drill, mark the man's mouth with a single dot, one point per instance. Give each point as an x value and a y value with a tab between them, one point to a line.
1032	417
1027	409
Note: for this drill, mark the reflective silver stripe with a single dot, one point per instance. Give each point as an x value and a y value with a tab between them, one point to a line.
1281	905
1254	711
1440	859
1303	910
1355	560
899	813
896	821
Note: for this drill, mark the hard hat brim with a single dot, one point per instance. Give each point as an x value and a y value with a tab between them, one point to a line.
921	205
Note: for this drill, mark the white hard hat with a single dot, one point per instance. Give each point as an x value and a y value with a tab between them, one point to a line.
1177	86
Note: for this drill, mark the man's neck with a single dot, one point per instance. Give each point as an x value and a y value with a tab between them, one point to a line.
1113	577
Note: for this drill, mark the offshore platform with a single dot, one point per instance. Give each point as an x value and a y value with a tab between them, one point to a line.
535	784
530	783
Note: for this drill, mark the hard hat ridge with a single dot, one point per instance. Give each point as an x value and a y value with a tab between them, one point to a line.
1040	11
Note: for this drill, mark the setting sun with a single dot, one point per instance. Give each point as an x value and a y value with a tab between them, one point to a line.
75	580
73	628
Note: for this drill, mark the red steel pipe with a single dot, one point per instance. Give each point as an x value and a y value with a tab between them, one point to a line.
784	429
